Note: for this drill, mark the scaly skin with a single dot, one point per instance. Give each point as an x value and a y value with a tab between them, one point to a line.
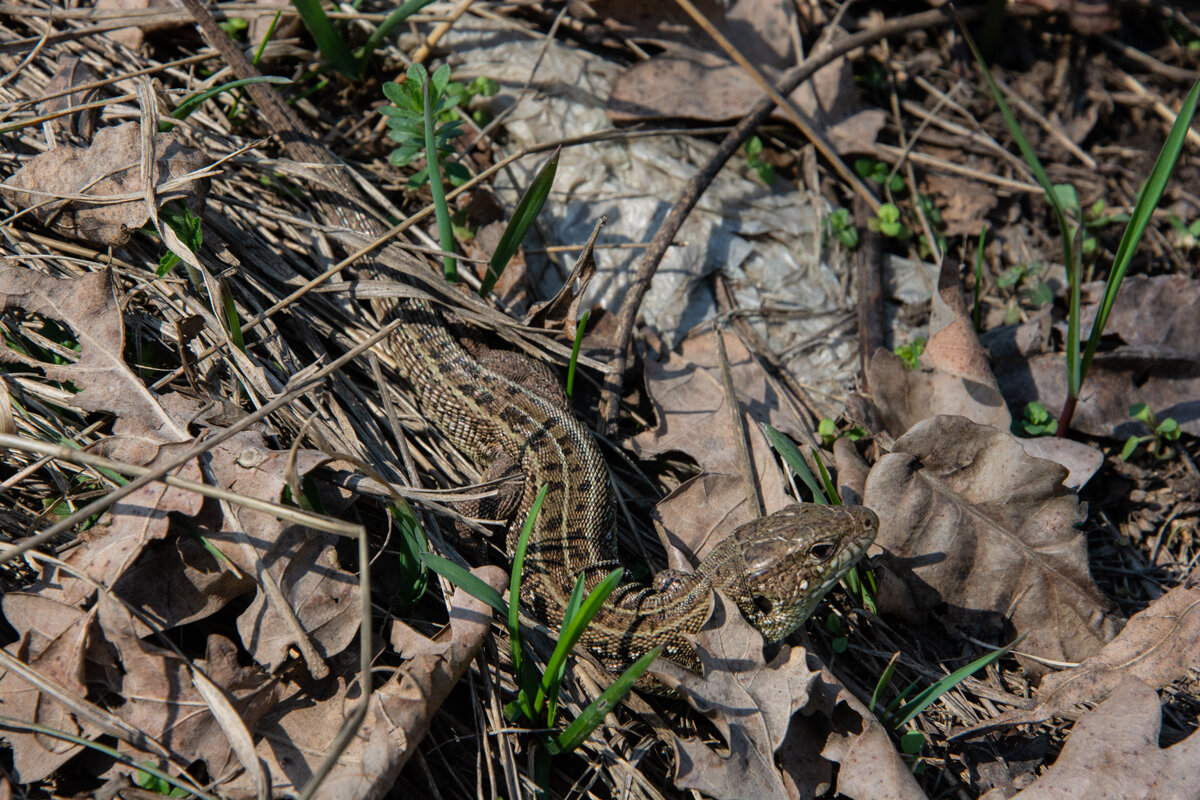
775	568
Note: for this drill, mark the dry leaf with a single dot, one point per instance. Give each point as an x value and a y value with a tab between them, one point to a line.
954	377
1159	645
160	697
109	167
56	641
318	593
1113	754
694	84
689	402
980	534
870	768
750	702
297	733
87	306
71	72
1157	320
758	27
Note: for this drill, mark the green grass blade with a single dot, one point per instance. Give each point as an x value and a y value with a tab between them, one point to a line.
975	312
572	631
791	454
232	320
1075	278
377	36
1146	203
1026	151
192	103
441	210
831	492
520	669
522	220
883	681
331	44
575	353
594	714
464	580
925	698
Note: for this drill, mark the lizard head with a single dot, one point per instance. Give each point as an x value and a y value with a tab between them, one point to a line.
778	567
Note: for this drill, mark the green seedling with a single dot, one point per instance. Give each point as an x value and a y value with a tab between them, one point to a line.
878	171
1094	217
1026	285
406	119
412	579
1159	440
537	691
910	353
829	433
1036	421
579	329
889	223
911	745
837	628
906	705
157	785
841	225
1077	363
416	104
187	227
1186	234
754	160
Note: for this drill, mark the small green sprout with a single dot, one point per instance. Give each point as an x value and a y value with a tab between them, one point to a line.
829	433
1160	437
910	353
754	160
1035	422
406	118
841	638
841	225
870	169
1036	293
1186	234
888	222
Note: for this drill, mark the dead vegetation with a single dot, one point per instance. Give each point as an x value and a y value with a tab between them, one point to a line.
211	575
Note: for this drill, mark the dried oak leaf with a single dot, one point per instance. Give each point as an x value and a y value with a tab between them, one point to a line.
693	417
319	594
161	696
71	72
1160	644
1113	754
88	308
980	533
56	641
694	84
1155	322
108	173
750	702
956	378
869	766
298	732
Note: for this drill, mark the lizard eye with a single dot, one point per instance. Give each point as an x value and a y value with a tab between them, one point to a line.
764	605
822	551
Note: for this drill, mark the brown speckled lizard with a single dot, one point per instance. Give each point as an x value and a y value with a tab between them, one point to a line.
776	568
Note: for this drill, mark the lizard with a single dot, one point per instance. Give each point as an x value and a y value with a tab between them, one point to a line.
775	569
